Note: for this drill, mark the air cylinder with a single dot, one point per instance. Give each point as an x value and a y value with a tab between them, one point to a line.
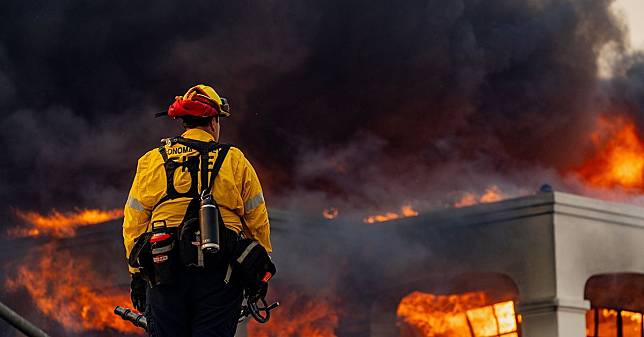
209	225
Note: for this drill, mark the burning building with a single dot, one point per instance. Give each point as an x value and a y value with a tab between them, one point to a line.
543	252
550	264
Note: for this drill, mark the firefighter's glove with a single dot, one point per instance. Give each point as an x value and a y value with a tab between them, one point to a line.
255	267
137	291
257	292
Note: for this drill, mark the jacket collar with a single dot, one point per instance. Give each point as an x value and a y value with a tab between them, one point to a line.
198	134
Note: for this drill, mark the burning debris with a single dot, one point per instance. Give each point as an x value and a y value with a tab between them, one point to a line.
405	212
469	314
61	225
67	289
491	194
330	213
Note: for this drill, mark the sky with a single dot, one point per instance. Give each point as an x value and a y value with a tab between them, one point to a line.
633	10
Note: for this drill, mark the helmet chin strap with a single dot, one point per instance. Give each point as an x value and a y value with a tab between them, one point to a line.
213	130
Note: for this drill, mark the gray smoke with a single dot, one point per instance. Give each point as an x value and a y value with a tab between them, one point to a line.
358	103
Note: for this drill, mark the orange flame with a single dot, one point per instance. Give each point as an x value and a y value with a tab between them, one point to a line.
492	194
330	213
607	323
468	314
59	224
298	316
63	288
405	212
618	159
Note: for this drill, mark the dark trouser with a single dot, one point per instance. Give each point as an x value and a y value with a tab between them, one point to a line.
199	304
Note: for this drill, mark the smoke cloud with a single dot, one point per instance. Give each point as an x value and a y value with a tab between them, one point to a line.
357	103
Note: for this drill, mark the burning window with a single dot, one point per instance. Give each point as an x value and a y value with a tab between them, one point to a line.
617	302
603	322
469	314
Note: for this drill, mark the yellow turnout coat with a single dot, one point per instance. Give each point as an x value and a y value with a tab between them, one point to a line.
237	191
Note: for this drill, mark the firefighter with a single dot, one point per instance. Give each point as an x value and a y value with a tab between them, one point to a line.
183	290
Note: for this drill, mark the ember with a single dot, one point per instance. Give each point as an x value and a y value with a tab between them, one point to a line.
59	224
468	314
298	316
618	159
330	213
64	289
405	211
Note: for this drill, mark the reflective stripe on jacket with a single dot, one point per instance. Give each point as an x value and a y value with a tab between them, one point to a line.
237	191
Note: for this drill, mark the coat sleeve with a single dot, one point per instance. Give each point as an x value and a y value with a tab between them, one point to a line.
138	208
255	212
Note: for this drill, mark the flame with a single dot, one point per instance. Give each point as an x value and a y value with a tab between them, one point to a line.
405	212
408	211
468	314
607	323
631	323
59	224
330	213
298	316
64	289
618	159
491	194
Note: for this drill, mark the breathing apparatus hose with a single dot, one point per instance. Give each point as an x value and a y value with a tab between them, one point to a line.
253	309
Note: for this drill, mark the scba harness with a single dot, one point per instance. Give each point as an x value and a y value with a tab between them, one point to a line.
166	252
161	253
202	230
192	165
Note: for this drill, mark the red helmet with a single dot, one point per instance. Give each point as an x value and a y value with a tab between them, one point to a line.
199	101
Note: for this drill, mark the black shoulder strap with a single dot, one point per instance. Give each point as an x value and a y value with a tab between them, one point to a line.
163	152
164	155
204	149
204	169
221	155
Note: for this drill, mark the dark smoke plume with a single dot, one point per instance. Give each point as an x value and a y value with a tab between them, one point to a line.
358	102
